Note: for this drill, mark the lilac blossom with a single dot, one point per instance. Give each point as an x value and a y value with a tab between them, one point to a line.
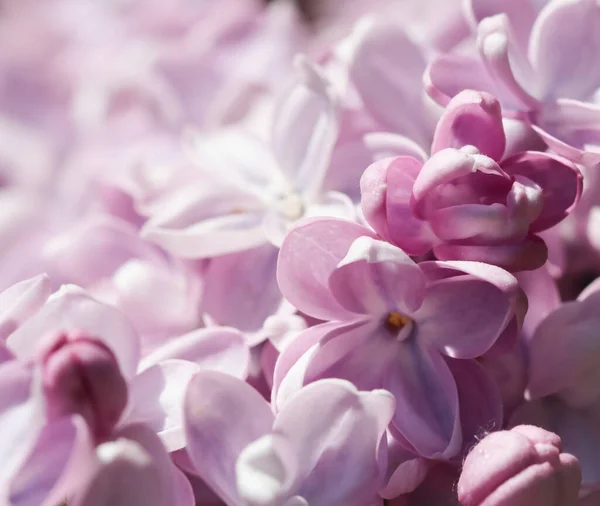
393	323
293	457
537	65
467	202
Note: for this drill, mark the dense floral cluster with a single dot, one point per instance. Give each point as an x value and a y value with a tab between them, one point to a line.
249	260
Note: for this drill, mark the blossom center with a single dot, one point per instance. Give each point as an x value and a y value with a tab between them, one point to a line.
291	206
395	322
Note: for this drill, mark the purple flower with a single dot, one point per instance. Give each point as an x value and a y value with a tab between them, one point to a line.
390	323
465	202
519	467
326	447
539	65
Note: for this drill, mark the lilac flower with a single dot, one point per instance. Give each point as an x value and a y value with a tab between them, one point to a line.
537	65
293	457
522	466
465	202
395	324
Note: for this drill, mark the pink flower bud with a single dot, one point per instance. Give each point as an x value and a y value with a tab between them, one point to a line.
519	467
81	375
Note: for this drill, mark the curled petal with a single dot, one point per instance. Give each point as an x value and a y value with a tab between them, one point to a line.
308	256
522	15
449	74
375	277
506	61
266	471
321	443
471	118
386	188
559	180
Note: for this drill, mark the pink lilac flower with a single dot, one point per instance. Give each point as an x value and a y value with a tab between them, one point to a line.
467	202
292	458
539	66
394	324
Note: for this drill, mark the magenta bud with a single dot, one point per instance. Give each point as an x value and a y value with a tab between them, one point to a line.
523	466
81	375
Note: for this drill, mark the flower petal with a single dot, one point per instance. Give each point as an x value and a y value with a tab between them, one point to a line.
308	256
386	188
507	62
471	118
335	473
427	409
560	180
20	301
156	397
376	277
521	13
305	129
554	43
214	349
386	68
214	406
72	309
463	316
564	352
240	289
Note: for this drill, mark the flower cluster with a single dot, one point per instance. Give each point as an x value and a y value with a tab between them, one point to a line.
291	254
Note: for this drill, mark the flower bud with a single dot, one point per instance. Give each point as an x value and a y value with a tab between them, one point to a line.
80	375
519	467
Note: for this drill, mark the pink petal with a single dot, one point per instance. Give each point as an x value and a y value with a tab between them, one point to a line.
507	62
521	13
554	43
449	74
20	301
427	409
484	313
527	255
240	289
560	181
214	405
177	489
45	464
320	443
471	118
386	189
386	68
305	129
126	475
308	256
375	277
214	349
156	397
21	415
563	353
72	309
